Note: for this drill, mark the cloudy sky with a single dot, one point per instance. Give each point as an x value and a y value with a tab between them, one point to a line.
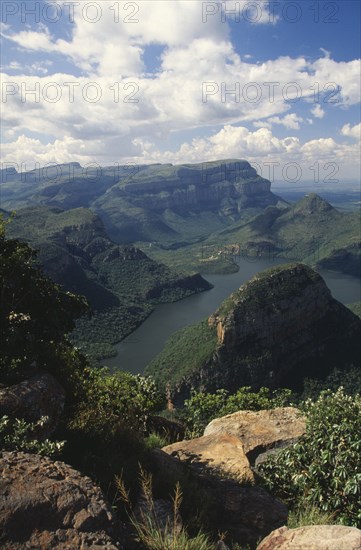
276	83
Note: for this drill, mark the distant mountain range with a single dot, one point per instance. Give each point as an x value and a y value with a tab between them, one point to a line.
109	233
196	215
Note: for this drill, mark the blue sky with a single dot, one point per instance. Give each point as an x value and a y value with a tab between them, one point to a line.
152	81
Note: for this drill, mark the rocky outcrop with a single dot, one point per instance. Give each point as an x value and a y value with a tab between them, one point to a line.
48	504
39	396
260	431
246	513
218	454
313	537
278	328
205	185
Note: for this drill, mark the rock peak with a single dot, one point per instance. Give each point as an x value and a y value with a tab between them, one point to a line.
311	204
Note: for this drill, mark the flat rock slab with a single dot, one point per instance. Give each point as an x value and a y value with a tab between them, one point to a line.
221	453
47	504
260	430
313	537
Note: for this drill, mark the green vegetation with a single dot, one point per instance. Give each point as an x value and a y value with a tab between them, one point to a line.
120	282
323	468
204	407
355	308
309	515
310	231
105	422
175	210
184	353
36	314
349	379
157	533
18	435
263	288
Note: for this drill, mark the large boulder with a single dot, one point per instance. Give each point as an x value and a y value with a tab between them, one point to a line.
39	396
313	537
48	504
261	431
246	513
218	454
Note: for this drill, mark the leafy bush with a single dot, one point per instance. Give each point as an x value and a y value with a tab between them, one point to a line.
18	435
349	379
204	407
113	399
324	467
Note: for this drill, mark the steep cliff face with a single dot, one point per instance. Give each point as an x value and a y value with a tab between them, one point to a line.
147	202
204	185
159	202
276	329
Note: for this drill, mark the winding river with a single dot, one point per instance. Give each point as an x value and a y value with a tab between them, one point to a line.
140	347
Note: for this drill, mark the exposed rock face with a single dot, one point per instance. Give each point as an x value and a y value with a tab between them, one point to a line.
205	185
220	453
31	399
48	504
260	431
245	513
313	537
149	202
278	328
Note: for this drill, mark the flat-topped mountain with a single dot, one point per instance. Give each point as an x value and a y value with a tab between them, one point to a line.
185	211
278	328
147	202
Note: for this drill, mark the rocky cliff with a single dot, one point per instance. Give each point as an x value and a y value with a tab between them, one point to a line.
278	328
159	202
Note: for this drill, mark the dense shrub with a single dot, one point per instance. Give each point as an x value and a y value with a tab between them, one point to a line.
113	399
204	407
324	467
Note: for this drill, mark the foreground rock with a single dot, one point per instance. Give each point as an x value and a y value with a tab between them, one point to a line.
261	431
246	513
48	504
313	537
218	454
39	396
